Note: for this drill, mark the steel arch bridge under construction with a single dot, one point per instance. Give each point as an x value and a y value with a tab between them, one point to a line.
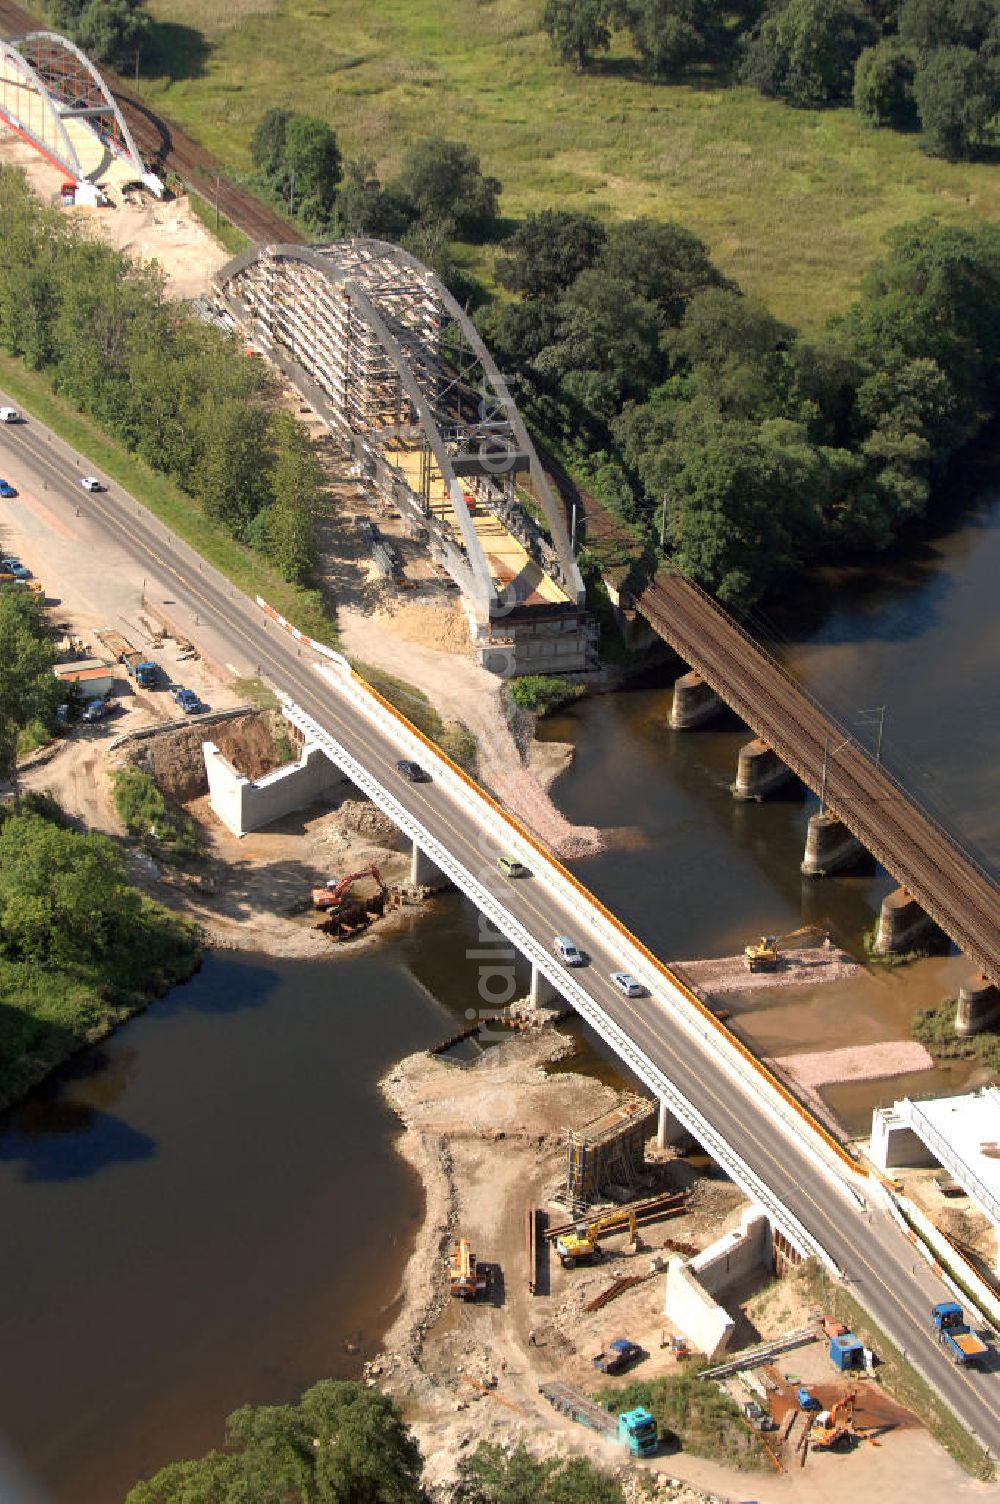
383	353
53	96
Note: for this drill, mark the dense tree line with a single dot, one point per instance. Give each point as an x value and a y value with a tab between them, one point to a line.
695	412
346	1444
177	392
928	65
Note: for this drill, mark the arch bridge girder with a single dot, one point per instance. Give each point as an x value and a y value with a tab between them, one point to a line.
399	363
49	88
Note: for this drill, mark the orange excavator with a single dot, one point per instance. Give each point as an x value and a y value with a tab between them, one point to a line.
834	1426
332	896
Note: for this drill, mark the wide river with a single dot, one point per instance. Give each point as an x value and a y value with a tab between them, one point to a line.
207	1209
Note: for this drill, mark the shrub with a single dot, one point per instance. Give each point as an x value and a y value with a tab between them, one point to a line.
543	693
148	814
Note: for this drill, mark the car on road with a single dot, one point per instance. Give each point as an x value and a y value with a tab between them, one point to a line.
511	867
16	568
412	771
91	483
9	415
568	952
186	699
6	489
626	982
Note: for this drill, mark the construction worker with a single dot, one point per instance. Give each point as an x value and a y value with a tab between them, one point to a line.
532	1338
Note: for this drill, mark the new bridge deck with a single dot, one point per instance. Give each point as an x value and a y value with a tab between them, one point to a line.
945	879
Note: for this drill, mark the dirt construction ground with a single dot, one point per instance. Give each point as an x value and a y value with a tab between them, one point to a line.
488	1140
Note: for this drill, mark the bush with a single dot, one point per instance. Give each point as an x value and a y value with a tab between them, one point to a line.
707	1422
148	814
543	693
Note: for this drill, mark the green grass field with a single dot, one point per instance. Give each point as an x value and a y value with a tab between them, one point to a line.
793	203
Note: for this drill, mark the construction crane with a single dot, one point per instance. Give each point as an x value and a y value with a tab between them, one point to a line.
332	895
582	1244
762	954
834	1426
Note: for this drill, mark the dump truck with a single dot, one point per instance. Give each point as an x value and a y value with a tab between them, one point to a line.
143	670
468	1278
635	1429
954	1334
618	1355
582	1245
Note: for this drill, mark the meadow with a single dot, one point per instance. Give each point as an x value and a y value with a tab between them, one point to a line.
794	204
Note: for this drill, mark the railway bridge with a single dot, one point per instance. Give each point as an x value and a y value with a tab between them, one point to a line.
862	803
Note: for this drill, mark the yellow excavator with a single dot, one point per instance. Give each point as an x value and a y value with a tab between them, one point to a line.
763	954
582	1245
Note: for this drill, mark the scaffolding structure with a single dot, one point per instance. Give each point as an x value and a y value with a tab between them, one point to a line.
382	352
609	1154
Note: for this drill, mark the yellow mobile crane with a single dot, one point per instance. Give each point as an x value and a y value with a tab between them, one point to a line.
762	954
581	1245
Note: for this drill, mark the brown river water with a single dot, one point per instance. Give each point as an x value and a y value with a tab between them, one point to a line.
207	1209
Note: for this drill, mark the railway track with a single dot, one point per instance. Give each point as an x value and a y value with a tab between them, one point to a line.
942	875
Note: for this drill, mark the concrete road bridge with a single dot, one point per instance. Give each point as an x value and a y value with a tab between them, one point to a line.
383	353
818	1198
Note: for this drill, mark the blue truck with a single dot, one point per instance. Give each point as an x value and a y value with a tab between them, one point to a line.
143	670
954	1334
635	1429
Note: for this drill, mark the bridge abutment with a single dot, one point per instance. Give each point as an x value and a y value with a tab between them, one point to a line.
423	872
978	1006
902	923
669	1129
541	992
760	771
695	702
830	847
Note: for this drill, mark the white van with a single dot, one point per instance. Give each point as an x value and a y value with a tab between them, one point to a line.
9	415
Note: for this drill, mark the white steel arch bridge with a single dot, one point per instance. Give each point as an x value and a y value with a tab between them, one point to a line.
52	95
382	351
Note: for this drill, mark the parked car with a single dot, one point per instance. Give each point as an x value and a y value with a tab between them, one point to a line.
412	771
627	983
186	699
511	867
568	953
15	567
9	415
6	489
96	710
91	483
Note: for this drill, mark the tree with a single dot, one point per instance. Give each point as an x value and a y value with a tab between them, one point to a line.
661	262
492	1475
298	157
577	29
28	687
606	347
548	251
297	485
736	353
444	182
883	85
365	207
668	35
341	1444
805	51
267	144
233	476
108	30
958	94
925	25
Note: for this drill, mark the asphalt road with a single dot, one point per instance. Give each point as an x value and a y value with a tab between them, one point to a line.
886	1274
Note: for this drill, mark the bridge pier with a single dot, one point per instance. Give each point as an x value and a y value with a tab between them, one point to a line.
830	846
695	702
978	1006
902	923
541	992
423	872
669	1130
759	771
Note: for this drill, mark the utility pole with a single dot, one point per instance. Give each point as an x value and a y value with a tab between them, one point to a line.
291	195
572	531
137	51
827	754
216	203
869	717
663	526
